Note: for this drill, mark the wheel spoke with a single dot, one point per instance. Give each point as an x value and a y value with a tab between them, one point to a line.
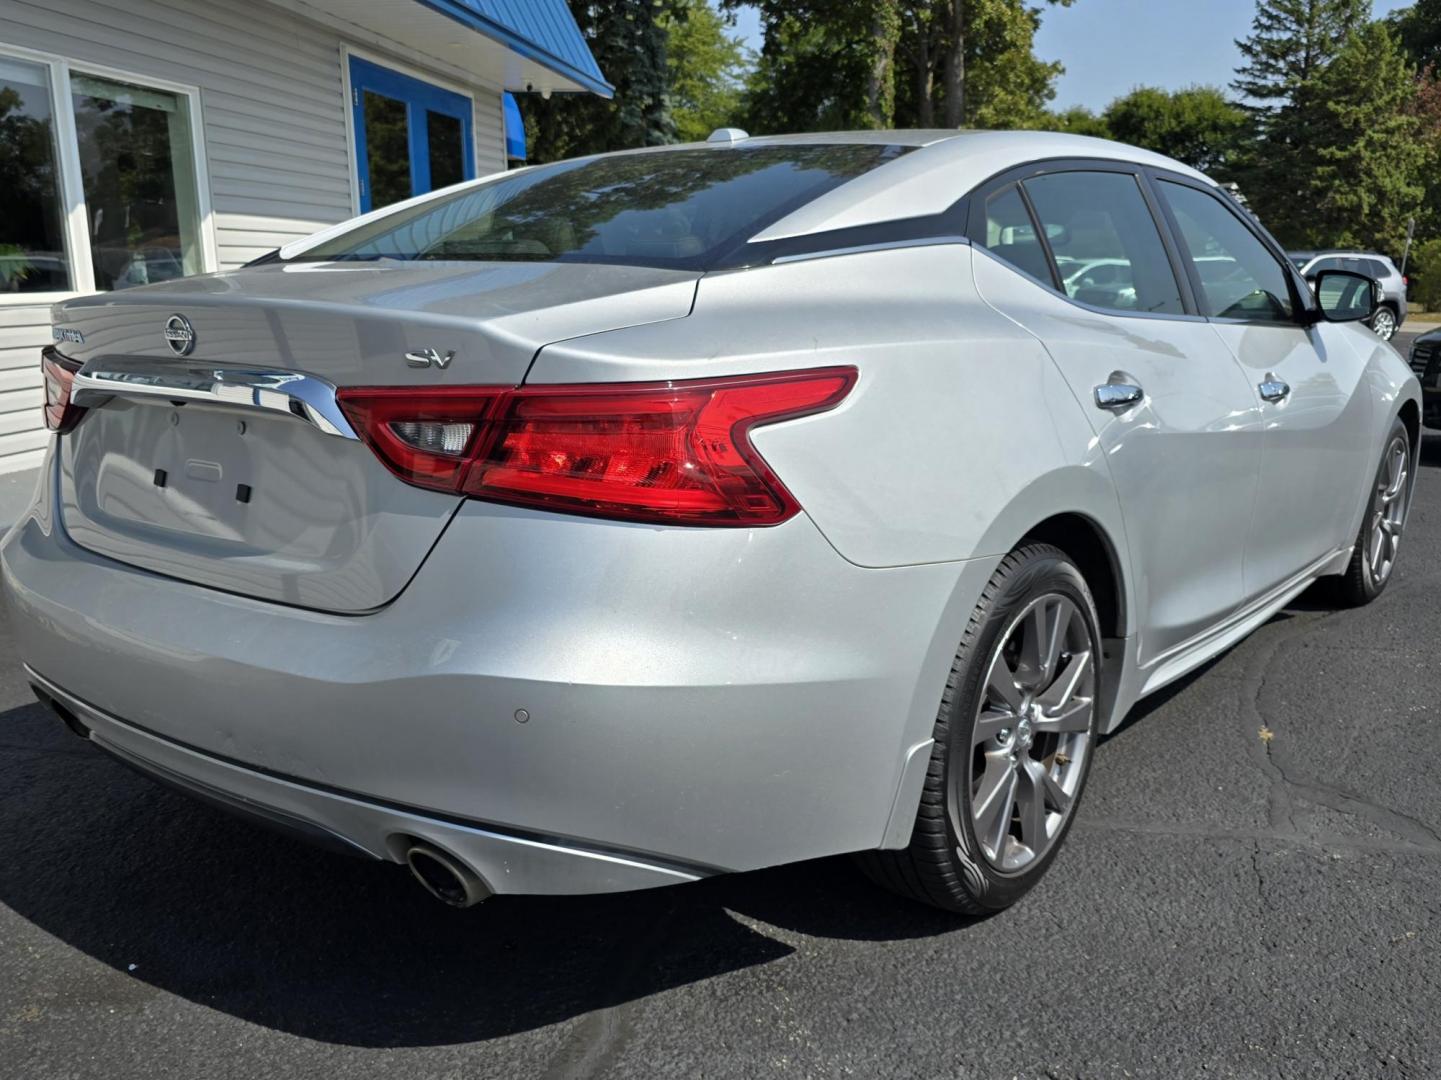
990	724
1031	804
1377	550
1067	682
1002	685
1074	716
1043	636
992	803
1056	797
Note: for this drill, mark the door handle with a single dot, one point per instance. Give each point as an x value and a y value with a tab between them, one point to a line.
1273	389
1118	395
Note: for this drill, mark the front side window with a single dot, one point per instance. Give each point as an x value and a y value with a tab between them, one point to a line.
1239	277
681	209
33	256
138	175
1107	247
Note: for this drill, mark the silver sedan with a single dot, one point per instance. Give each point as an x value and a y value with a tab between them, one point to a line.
629	520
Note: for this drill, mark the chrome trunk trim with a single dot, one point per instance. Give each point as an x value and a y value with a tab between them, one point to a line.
294	393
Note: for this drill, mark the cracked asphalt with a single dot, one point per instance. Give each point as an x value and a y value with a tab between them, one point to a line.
1227	905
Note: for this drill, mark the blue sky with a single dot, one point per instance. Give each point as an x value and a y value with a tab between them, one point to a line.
1112	46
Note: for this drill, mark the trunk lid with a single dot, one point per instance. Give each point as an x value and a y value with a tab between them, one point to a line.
227	488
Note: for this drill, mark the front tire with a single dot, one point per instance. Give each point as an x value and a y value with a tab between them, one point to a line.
1384	323
1374	557
1013	742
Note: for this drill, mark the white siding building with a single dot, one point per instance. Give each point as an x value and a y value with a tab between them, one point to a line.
143	139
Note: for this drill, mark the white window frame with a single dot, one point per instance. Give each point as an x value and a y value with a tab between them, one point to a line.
75	224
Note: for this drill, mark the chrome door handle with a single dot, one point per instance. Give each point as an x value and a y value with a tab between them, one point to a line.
1118	395
1273	389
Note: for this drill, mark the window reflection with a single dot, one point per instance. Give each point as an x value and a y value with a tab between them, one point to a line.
32	247
137	170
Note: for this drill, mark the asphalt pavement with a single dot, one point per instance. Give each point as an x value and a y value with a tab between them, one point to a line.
1252	889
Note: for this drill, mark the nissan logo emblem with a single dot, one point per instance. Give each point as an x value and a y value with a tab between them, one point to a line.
179	335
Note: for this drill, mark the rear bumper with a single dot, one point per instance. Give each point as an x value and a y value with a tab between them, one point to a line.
359	826
693	700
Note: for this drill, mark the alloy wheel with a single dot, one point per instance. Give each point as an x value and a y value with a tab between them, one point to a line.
1388	511
1384	324
1031	734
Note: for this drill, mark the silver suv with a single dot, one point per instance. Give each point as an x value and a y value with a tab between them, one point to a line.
1390	306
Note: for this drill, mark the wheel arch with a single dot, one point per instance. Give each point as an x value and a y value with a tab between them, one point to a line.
1085	541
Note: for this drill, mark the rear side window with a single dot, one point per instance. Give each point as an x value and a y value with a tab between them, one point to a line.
1107	247
1238	276
1378	269
681	209
1011	235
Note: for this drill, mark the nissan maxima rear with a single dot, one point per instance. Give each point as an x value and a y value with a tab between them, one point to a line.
625	521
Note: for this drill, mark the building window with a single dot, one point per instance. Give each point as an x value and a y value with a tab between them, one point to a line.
32	235
101	174
138	174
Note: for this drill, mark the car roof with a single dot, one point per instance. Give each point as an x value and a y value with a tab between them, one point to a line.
944	166
1352	253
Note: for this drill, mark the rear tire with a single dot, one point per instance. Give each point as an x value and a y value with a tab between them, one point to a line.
1013	742
1374	557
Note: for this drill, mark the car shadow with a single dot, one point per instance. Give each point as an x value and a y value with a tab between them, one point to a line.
353	952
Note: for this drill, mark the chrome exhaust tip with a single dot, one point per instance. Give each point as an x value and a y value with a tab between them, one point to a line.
445	877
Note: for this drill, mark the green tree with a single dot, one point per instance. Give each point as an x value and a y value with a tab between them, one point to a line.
1371	160
810	75
903	63
628	40
1196	125
1078	120
1418	28
707	68
1006	84
1291	43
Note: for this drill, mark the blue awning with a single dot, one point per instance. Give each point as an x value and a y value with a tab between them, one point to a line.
541	30
514	130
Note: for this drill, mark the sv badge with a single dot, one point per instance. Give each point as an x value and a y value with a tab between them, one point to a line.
429	358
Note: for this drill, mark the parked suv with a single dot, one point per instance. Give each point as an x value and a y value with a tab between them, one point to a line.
1390	305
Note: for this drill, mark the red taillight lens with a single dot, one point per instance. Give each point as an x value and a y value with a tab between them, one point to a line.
58	374
676	453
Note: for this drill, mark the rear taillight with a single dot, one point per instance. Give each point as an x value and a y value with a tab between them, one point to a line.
58	374
676	452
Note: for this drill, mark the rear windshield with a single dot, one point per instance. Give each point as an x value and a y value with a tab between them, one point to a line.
681	209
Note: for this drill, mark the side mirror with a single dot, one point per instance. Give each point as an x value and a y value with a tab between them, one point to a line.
1345	297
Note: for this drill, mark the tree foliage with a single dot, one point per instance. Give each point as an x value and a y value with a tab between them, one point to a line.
1418	28
898	63
1369	156
707	65
1290	46
1196	125
628	38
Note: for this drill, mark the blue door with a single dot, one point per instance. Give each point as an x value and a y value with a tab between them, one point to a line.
410	137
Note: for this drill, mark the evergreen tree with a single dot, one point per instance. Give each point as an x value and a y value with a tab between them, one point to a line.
1371	158
1290	45
628	40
